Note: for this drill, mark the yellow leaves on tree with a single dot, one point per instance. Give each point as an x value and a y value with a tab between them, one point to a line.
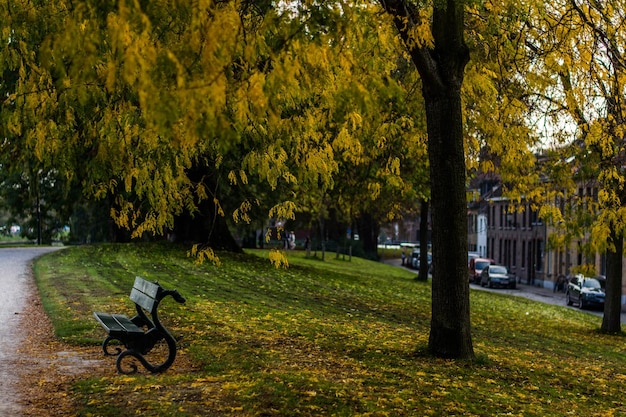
149	91
203	253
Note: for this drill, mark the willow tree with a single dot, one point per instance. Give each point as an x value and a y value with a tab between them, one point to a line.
137	103
169	109
375	119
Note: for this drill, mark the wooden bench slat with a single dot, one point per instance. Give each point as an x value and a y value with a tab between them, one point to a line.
142	299
144	293
117	324
149	288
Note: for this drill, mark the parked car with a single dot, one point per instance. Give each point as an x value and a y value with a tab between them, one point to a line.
585	291
476	266
602	279
472	255
497	276
416	260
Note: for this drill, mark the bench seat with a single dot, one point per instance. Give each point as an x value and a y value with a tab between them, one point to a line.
118	324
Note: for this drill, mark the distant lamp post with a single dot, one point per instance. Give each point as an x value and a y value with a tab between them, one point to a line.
38	208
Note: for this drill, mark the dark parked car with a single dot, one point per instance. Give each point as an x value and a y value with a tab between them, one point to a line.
497	276
584	291
413	258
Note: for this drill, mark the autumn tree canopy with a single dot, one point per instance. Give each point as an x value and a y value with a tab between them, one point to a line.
211	109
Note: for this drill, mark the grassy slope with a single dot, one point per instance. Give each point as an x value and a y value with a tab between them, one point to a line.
326	338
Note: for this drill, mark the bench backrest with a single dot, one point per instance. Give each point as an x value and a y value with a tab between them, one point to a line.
144	294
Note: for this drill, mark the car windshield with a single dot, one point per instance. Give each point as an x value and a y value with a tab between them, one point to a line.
497	270
591	283
482	264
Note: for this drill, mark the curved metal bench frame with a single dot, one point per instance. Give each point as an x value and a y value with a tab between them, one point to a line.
140	333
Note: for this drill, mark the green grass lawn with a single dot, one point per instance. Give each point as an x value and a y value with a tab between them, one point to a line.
325	338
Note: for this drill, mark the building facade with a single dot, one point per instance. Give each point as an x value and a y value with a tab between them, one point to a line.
516	237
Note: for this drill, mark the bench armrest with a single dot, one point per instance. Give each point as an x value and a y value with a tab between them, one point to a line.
176	296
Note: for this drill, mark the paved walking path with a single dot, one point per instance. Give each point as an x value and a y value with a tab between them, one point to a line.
15	288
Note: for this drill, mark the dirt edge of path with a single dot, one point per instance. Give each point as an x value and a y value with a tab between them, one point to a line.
46	367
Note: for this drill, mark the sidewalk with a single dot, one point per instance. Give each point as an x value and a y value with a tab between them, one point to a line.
544	292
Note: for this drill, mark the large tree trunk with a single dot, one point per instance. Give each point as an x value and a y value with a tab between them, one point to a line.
206	225
368	234
450	332
441	70
611	321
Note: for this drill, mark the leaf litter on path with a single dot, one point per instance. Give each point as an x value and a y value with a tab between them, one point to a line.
46	368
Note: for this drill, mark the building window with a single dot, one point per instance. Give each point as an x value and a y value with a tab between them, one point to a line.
523	254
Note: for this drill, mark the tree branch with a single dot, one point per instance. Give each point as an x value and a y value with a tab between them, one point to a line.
406	18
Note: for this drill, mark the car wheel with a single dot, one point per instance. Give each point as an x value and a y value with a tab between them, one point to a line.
489	284
568	300
581	303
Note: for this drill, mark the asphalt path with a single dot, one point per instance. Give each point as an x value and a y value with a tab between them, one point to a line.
15	290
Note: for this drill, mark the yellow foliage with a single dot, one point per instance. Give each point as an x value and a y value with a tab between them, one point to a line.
283	210
278	259
202	254
420	34
243	212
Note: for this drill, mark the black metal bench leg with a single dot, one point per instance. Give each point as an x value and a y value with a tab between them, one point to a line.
133	367
171	345
105	346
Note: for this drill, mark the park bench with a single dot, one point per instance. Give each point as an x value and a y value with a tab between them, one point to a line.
140	334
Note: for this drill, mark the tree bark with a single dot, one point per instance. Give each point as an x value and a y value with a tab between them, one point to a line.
450	332
441	70
611	320
206	225
368	234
